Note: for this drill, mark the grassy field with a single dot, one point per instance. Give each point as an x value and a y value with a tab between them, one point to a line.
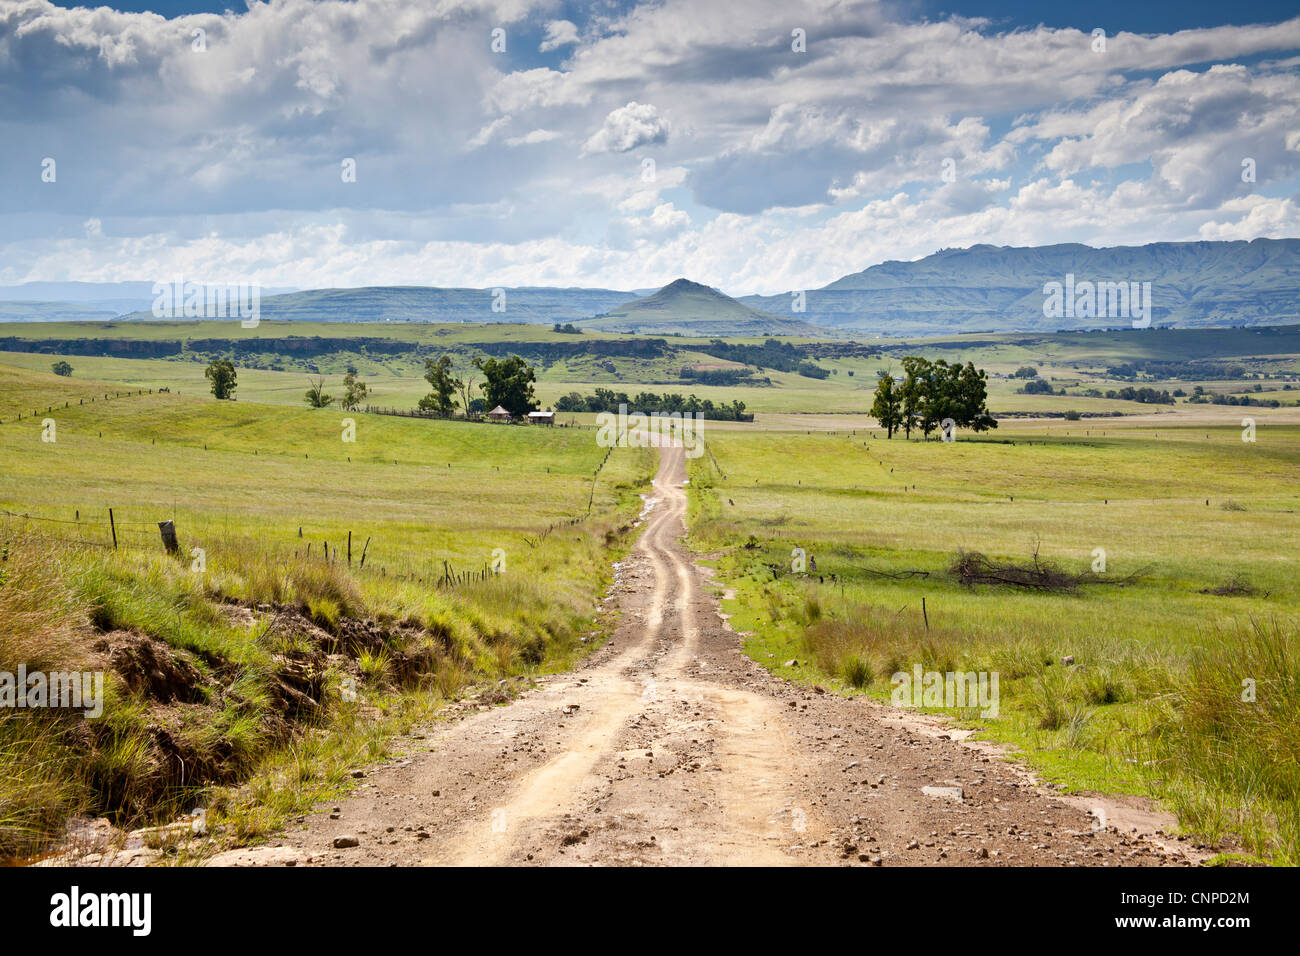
401	384
266	610
1077	363
264	488
1148	699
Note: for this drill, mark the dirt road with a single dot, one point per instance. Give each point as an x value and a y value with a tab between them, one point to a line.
668	746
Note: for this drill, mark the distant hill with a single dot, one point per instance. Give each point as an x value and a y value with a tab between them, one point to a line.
79	301
54	312
689	308
534	305
1000	288
72	301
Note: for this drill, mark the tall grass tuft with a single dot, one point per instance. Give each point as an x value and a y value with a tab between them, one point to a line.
41	621
856	672
1228	740
39	629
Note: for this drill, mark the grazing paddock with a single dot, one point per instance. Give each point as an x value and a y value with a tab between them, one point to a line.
1149	697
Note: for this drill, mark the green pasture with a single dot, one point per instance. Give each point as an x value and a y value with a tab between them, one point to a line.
1173	516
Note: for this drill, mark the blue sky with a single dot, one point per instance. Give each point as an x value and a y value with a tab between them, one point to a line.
758	147
1138	17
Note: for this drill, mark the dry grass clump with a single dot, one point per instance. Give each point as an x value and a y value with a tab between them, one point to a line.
39	630
1236	586
866	643
39	622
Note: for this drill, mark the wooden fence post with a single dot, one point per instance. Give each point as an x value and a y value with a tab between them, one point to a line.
168	530
112	526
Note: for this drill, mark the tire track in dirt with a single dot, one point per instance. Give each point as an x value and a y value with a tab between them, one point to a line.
668	746
612	696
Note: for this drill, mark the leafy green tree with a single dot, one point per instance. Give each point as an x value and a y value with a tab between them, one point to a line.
972	399
355	392
221	373
509	384
316	396
61	368
943	401
912	392
442	400
934	392
888	406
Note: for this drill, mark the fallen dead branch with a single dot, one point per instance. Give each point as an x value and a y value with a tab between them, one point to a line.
971	568
896	575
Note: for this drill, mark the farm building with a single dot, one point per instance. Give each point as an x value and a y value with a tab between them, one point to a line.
541	418
498	414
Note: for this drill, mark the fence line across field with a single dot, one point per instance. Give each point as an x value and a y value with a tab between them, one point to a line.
51	409
105	530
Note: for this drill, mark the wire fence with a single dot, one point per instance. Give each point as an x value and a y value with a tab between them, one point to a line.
101	528
108	397
105	530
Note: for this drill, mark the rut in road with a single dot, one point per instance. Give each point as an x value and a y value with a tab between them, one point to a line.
669	746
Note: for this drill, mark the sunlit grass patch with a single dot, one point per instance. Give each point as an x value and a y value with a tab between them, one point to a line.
1130	687
277	639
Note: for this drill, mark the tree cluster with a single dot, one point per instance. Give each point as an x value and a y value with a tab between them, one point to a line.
723	376
931	393
607	400
773	354
509	383
1147	396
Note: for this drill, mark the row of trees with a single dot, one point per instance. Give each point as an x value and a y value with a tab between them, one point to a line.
508	383
607	400
355	392
931	393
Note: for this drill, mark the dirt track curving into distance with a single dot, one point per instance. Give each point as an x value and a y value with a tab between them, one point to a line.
669	746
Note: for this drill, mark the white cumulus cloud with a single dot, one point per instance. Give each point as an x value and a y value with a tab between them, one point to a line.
628	127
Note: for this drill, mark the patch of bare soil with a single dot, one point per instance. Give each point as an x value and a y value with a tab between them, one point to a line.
669	746
150	667
184	695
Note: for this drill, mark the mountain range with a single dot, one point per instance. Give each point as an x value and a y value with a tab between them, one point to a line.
982	288
1000	288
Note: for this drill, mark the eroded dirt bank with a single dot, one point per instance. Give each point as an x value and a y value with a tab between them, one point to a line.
669	746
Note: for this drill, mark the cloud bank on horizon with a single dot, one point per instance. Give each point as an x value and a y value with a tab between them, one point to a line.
761	147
